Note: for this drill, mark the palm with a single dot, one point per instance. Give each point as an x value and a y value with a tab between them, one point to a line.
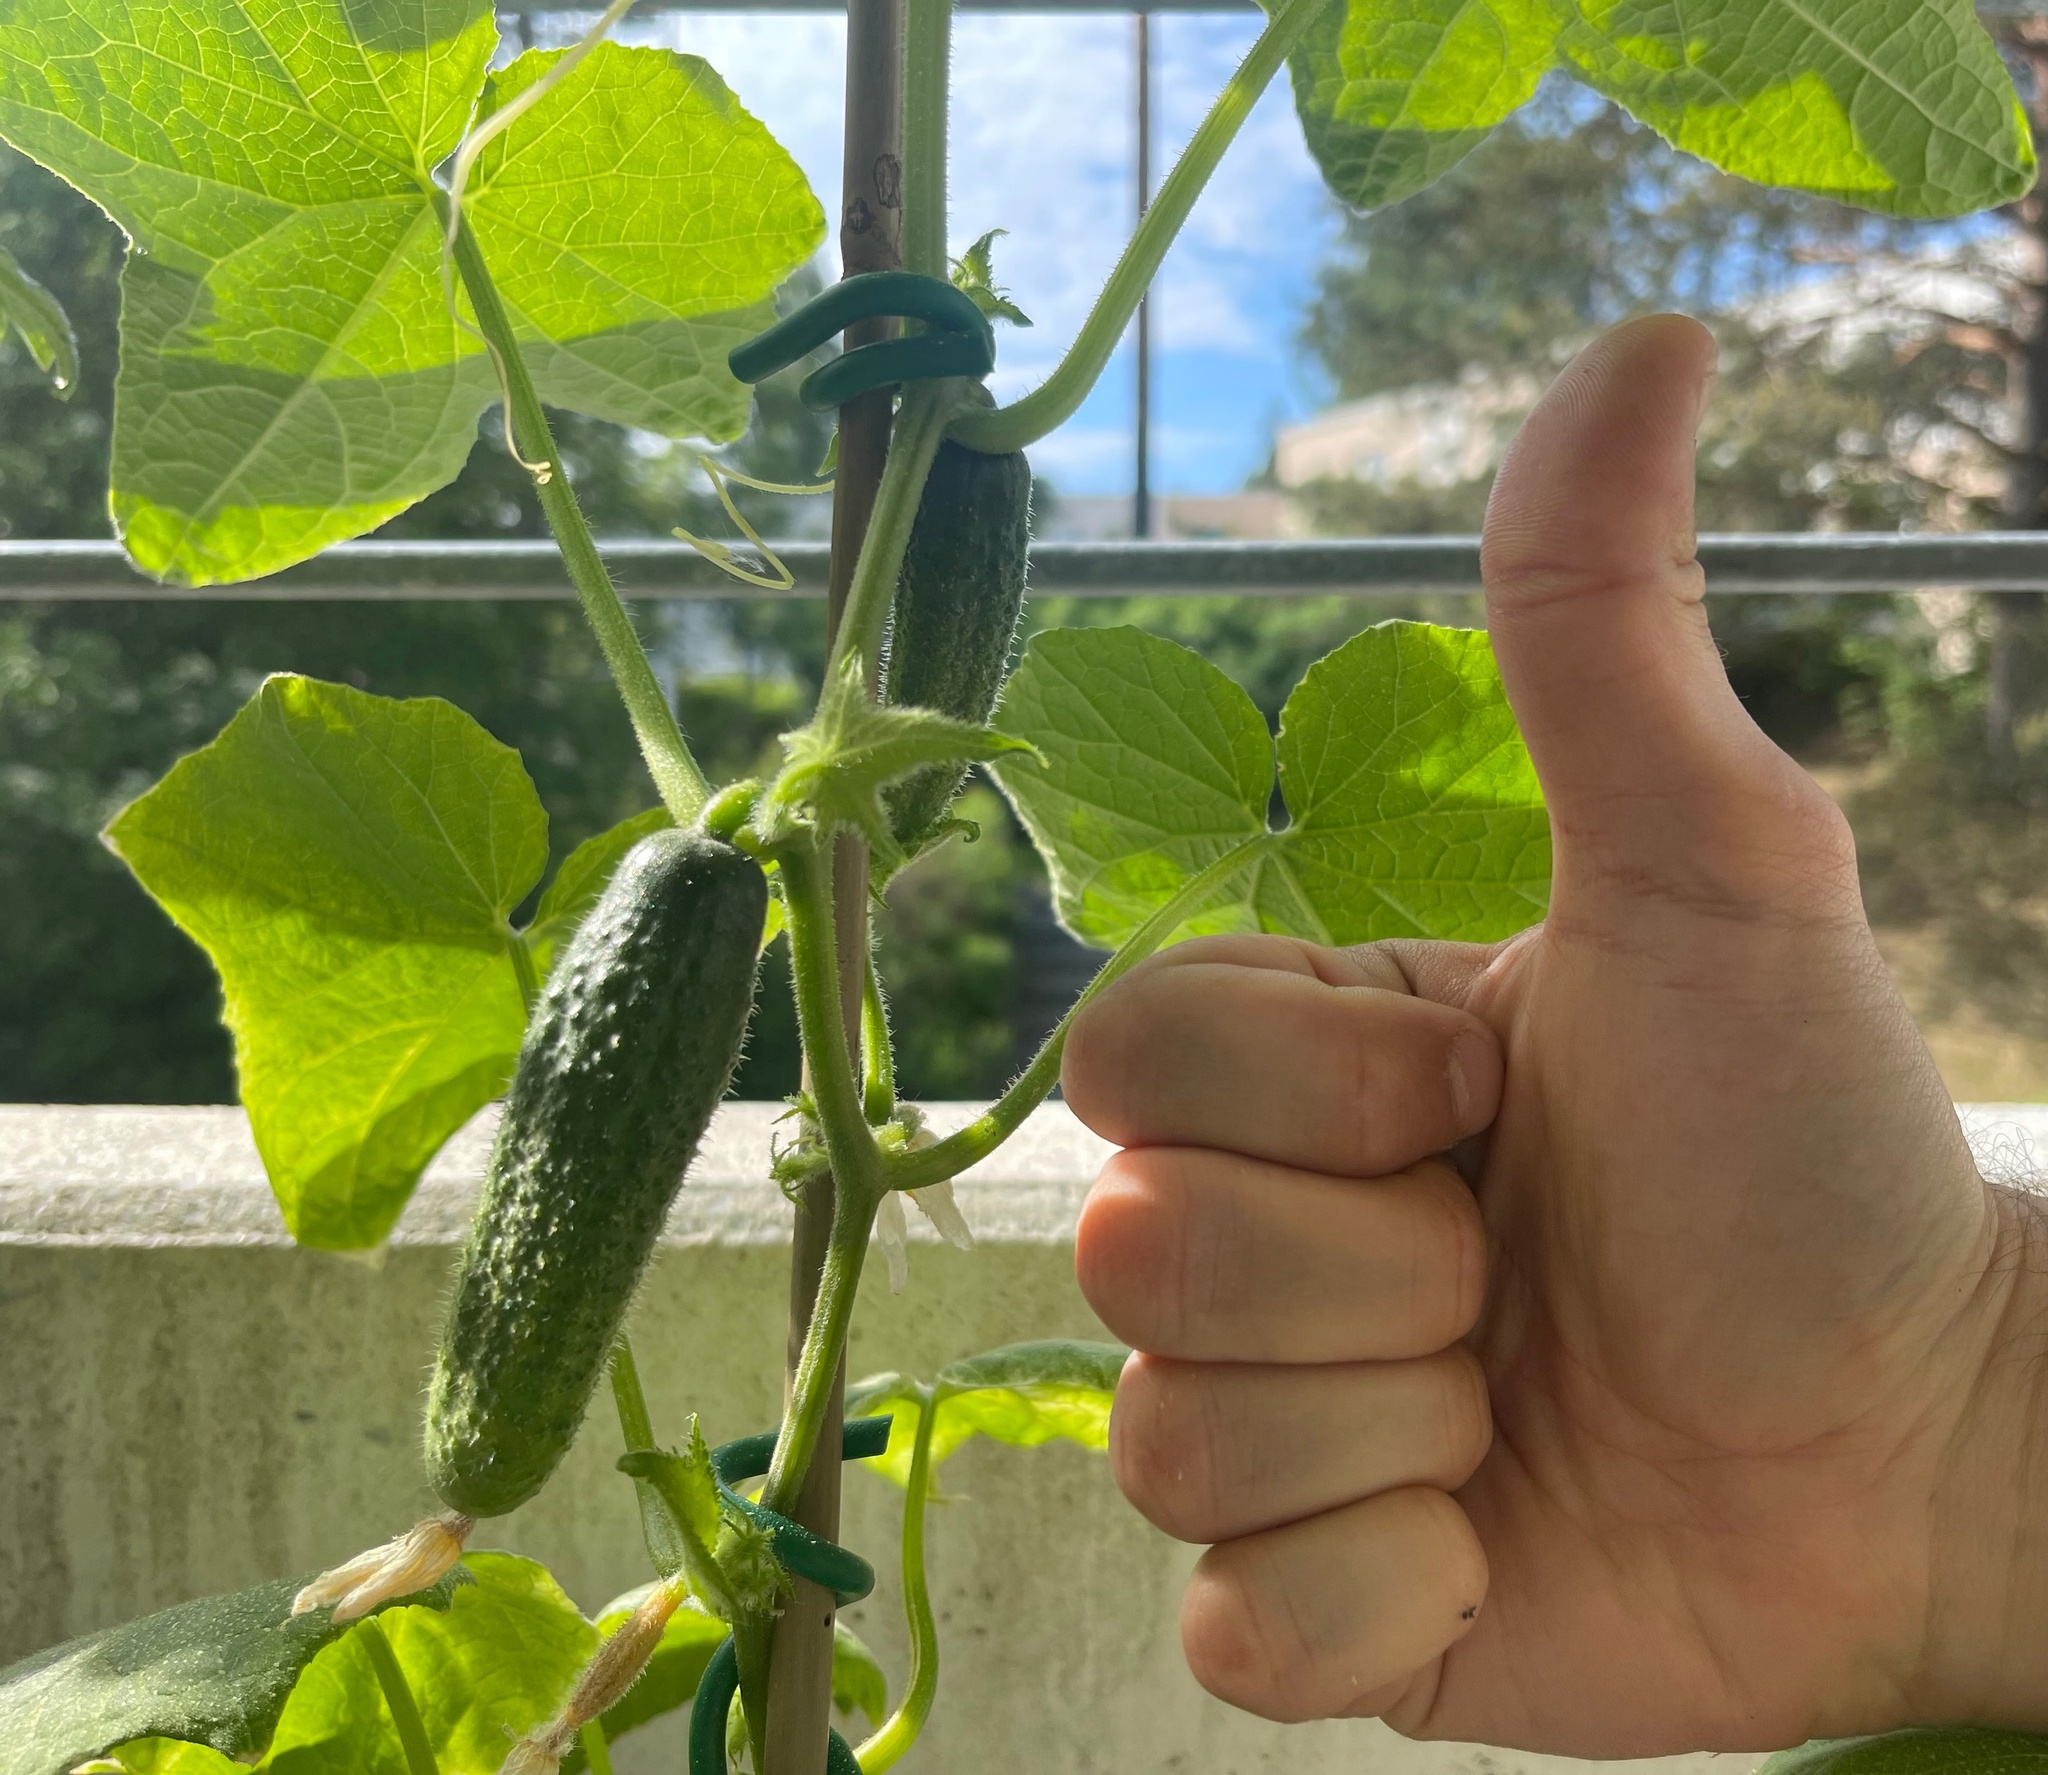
1707	1340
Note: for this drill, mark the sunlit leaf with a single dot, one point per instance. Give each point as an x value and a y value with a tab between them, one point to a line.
1413	809
350	863
291	369
1022	1394
216	1672
1897	105
1920	1750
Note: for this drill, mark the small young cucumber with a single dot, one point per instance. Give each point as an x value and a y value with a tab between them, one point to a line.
629	1050
957	603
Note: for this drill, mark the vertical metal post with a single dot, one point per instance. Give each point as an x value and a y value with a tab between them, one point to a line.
1141	497
870	239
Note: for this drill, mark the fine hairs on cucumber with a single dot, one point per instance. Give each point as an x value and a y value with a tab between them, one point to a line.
630	1048
957	602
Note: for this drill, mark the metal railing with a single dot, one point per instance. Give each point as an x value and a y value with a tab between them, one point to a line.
1367	567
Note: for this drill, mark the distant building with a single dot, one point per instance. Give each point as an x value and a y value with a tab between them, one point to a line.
1439	435
1258	516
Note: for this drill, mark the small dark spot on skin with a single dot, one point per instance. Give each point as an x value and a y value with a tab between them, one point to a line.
1471	1614
306	1417
859	218
379	1435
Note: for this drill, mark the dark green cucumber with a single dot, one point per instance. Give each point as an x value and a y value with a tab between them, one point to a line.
629	1050
957	602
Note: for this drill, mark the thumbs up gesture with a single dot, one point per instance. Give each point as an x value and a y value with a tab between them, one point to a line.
1601	1342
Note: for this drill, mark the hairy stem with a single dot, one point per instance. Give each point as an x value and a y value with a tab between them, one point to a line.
405	1711
634	1424
1054	401
878	1053
920	424
856	1163
676	776
814	967
927	52
824	1342
973	1143
899	1732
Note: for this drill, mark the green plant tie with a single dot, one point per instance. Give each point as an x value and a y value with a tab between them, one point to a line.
801	1553
958	340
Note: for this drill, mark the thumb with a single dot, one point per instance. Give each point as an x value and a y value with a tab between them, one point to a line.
1655	774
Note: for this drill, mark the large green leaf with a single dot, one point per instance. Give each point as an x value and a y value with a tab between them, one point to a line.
1414	810
1394	93
1156	765
215	1672
1021	1394
350	863
291	371
1896	105
498	1662
1920	1750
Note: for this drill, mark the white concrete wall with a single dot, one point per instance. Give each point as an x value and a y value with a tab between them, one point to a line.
188	1403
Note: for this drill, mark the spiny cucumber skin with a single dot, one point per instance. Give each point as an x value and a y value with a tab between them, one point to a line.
958	598
629	1050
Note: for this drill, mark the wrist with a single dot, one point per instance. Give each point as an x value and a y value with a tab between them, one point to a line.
1987	1574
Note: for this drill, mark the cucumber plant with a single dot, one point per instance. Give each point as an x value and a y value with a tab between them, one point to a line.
352	228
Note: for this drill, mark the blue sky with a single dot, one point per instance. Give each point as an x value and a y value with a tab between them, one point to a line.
1043	145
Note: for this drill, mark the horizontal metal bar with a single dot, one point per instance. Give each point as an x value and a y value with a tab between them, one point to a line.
1371	567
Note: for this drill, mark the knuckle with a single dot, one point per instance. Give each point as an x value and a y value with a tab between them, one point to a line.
1243	1644
1163	1449
1132	1249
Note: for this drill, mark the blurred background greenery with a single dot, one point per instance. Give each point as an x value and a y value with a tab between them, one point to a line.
1874	376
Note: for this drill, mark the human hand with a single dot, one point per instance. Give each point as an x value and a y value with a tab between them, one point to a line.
1708	1415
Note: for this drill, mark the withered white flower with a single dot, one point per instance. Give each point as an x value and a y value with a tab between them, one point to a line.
890	1232
400	1567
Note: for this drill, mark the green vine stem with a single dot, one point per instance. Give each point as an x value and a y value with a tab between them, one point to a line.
849	1145
1053	402
973	1143
920	424
818	1366
676	776
405	1711
596	1752
927	56
899	1732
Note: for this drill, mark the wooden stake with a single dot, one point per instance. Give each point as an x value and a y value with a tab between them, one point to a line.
870	239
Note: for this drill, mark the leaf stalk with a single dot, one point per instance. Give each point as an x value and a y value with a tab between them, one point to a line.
900	1731
973	1143
1055	400
675	771
398	1697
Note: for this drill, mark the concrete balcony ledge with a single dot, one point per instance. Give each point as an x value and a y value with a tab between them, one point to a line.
190	1403
121	1176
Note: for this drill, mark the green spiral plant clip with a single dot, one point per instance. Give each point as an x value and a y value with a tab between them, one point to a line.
800	1552
958	341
